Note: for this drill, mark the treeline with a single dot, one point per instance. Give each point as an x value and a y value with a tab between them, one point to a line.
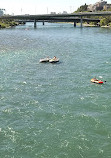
82	8
104	21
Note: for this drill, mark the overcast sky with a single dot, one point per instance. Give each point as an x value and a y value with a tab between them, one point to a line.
18	7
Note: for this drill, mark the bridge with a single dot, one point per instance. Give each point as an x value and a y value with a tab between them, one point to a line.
74	17
64	19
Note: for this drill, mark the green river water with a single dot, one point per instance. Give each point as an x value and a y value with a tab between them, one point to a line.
53	110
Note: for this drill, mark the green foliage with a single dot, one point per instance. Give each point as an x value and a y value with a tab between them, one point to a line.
93	23
82	8
110	24
105	21
2	25
7	23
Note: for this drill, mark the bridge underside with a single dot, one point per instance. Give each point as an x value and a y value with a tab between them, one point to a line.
72	20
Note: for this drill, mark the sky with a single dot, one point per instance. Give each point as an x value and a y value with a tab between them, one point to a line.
21	7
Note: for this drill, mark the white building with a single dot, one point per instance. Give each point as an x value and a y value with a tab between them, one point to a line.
2	12
97	6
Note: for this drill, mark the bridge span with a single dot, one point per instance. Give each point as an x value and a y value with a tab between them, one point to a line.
74	17
52	20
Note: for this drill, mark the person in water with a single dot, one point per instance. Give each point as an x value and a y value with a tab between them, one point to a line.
54	57
95	79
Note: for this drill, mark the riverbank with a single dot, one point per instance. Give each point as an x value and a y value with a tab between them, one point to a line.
92	25
8	24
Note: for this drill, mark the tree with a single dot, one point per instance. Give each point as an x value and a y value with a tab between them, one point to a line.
82	8
105	21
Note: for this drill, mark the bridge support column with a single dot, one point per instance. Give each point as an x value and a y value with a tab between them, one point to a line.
43	22
35	23
81	21
74	24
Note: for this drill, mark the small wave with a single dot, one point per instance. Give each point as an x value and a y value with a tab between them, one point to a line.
64	143
100	77
82	98
24	82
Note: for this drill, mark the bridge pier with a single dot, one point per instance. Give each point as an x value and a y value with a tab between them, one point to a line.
74	24
35	23
43	22
81	20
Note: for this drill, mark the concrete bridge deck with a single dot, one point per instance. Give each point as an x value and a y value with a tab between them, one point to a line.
60	17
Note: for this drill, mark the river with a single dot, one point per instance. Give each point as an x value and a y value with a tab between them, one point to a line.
53	110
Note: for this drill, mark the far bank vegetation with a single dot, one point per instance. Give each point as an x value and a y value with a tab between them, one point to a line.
104	21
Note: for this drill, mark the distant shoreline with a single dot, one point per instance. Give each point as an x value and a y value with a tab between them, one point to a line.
5	25
84	25
91	25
